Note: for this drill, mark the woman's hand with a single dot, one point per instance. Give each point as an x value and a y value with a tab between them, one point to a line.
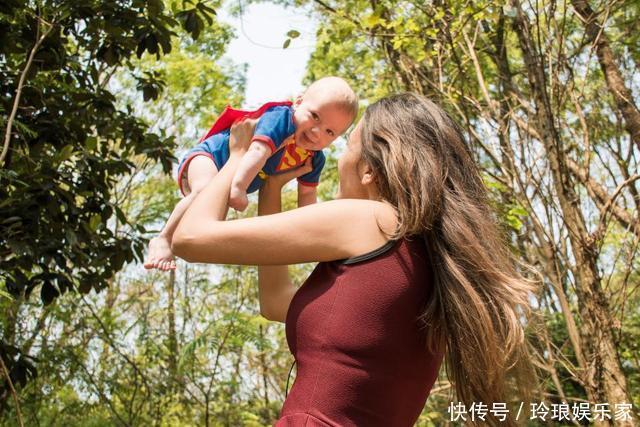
269	200
279	180
241	135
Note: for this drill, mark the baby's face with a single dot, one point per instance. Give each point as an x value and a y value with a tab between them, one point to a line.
319	122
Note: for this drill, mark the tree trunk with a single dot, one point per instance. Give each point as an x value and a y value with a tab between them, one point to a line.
508	90
547	252
621	93
265	370
603	379
173	341
9	320
110	300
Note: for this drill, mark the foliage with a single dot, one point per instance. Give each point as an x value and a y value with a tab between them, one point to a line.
494	66
117	86
71	143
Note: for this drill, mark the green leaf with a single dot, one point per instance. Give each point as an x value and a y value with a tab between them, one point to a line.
11	220
91	143
6	295
95	222
65	153
286	44
518	210
48	292
72	238
372	20
293	34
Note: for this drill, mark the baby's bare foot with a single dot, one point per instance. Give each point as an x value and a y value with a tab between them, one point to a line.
160	255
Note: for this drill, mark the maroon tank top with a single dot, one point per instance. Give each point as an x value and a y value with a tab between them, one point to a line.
360	352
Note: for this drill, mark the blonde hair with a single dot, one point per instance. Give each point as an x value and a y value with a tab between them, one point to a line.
425	170
342	94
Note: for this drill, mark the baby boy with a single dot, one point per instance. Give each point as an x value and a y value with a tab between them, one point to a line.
286	135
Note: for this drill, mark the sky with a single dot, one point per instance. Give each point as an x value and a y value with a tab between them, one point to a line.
273	73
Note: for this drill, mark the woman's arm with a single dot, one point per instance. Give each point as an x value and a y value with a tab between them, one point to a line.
307	195
275	289
321	232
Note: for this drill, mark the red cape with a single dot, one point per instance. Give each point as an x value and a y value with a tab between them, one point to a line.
230	115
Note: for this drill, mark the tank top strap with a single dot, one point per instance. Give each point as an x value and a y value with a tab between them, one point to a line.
370	255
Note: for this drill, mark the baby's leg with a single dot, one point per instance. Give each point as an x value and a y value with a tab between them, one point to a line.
200	170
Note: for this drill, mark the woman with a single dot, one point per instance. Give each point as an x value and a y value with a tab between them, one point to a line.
412	268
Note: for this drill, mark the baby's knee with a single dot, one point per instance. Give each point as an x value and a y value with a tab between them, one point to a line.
196	187
200	172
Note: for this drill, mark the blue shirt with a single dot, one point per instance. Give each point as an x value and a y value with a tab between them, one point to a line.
276	129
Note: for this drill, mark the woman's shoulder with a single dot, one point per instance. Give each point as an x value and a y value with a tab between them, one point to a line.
387	217
370	222
382	212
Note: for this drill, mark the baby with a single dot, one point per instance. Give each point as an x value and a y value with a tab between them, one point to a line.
286	135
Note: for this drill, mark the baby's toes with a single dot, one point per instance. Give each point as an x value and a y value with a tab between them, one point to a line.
150	263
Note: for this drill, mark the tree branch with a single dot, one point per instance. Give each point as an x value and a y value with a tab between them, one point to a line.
621	93
16	101
13	392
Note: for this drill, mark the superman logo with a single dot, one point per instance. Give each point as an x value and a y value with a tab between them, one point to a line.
293	156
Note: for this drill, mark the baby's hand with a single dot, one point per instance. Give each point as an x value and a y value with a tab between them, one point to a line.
238	199
241	134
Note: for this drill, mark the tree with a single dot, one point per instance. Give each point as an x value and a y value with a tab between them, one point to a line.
67	145
524	80
554	133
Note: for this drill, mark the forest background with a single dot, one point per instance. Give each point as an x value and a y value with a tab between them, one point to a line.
98	98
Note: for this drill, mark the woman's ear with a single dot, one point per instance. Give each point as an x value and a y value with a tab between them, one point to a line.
368	177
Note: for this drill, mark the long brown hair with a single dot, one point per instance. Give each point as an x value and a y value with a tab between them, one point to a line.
424	168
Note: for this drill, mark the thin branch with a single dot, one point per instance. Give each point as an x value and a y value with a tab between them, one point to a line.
611	204
101	394
16	101
13	392
109	340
